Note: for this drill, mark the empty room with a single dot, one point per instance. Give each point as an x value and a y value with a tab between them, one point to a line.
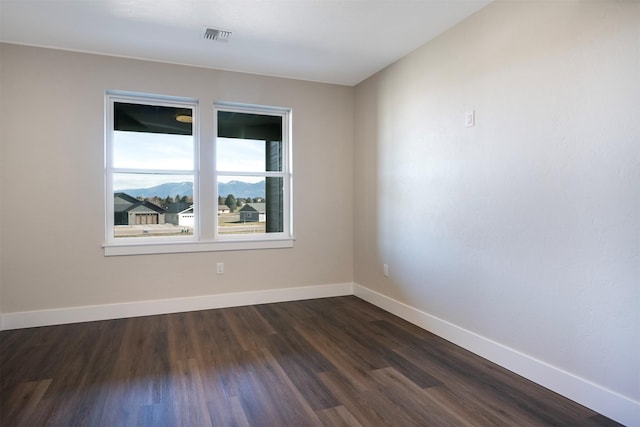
320	212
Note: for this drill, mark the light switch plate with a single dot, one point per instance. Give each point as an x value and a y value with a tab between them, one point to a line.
470	119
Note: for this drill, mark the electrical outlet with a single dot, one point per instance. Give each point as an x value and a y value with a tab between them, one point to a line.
220	268
385	270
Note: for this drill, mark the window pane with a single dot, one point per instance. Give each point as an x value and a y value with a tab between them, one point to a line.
153	205
249	205
152	137
138	150
248	155
153	118
265	127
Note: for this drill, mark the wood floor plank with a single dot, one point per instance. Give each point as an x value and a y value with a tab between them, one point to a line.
332	362
188	395
24	401
345	361
227	412
382	343
370	407
487	379
179	337
139	372
414	401
467	409
268	398
248	326
308	415
279	316
338	416
300	361
512	406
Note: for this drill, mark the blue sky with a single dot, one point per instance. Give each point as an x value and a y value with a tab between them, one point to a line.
138	150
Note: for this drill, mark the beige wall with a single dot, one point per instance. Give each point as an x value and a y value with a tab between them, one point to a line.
53	197
524	229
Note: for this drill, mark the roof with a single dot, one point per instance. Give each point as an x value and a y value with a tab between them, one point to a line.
126	203
258	207
177	207
125	197
188	210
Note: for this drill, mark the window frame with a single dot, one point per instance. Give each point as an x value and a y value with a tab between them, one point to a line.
204	167
285	174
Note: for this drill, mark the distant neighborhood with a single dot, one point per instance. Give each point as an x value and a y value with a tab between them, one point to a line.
135	216
239	189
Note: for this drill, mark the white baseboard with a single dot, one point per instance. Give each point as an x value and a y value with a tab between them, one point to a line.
28	319
598	398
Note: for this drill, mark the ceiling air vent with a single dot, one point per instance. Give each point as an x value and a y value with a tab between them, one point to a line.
216	34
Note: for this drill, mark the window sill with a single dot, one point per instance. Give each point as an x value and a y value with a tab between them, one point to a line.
151	248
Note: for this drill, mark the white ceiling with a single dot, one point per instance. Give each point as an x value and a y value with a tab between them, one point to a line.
334	41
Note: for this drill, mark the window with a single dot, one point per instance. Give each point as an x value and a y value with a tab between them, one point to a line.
154	164
252	176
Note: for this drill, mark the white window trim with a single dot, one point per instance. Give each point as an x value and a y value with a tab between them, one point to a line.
286	174
150	248
202	240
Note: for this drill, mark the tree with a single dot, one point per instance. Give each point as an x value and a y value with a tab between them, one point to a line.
231	202
158	201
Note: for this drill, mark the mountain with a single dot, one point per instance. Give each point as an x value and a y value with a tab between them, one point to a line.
162	190
237	188
241	189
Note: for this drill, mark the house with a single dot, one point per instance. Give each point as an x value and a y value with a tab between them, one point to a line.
508	143
186	217
128	210
223	209
173	210
252	212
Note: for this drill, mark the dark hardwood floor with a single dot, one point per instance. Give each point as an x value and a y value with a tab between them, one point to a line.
326	362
